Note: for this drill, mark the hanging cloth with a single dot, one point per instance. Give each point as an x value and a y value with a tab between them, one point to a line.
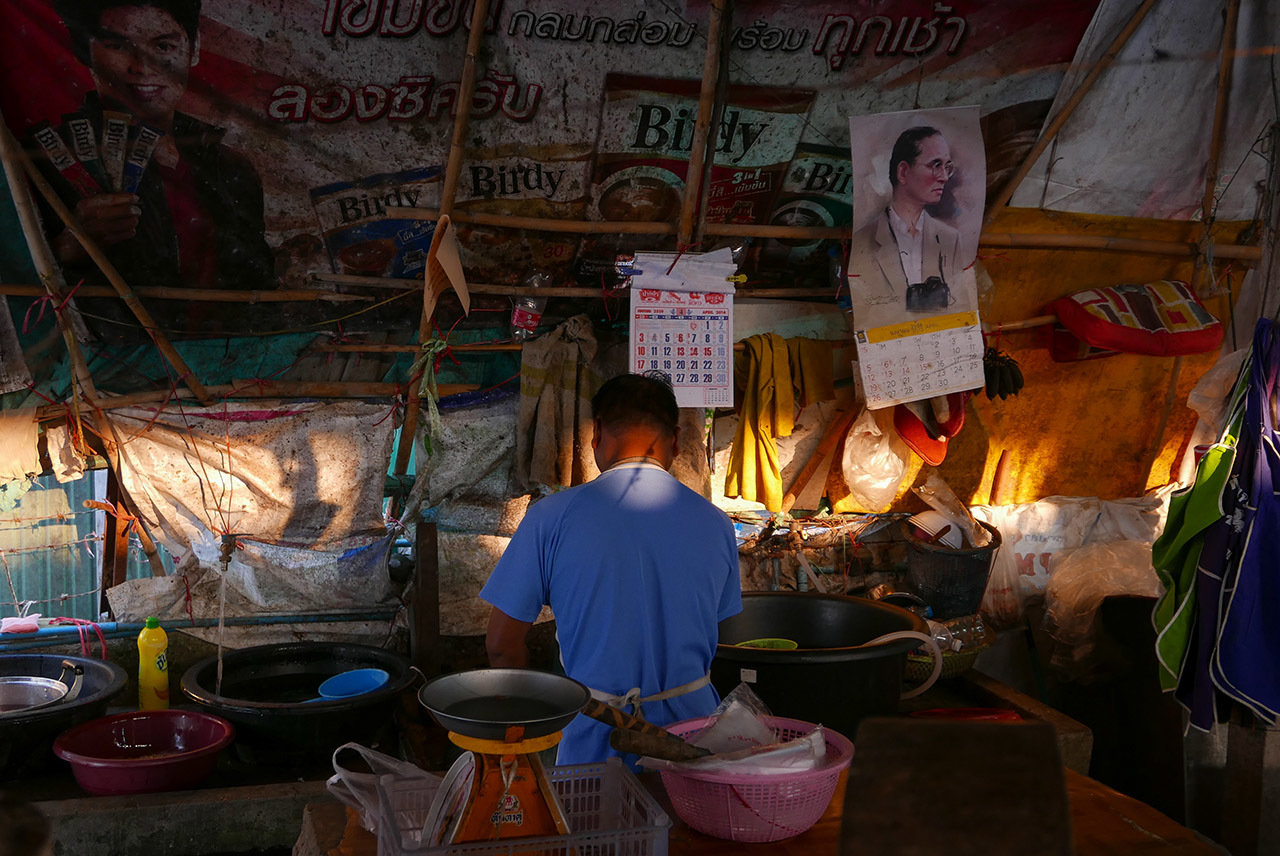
768	411
1245	666
1176	553
19	435
812	377
558	377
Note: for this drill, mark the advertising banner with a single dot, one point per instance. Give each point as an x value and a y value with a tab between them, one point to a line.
237	145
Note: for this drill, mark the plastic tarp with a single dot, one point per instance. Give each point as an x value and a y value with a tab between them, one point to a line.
1138	143
299	484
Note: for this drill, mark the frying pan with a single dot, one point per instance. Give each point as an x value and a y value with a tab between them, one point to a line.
488	703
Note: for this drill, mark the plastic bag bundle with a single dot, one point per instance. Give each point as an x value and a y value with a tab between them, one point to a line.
874	462
359	789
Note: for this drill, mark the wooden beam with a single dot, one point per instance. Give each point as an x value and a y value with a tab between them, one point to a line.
702	125
539	224
261	389
424	600
46	265
457	151
91	247
213	295
1122	245
1221	103
1001	199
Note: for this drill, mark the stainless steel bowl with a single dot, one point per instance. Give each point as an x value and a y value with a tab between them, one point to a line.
485	703
21	694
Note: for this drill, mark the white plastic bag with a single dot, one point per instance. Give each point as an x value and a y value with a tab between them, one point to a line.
1079	580
1003	602
874	462
359	789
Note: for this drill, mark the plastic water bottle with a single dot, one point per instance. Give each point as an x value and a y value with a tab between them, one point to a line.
153	666
526	310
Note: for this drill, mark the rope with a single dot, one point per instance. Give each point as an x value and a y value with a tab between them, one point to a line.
427	385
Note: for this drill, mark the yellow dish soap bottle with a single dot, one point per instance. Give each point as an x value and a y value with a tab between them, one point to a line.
153	666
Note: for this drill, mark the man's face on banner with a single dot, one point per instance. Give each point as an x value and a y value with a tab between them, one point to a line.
923	180
140	59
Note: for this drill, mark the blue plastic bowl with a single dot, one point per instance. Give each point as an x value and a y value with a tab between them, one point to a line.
353	683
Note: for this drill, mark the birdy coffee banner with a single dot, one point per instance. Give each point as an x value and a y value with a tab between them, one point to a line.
278	144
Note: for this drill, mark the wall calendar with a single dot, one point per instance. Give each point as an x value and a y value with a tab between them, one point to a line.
920	359
682	325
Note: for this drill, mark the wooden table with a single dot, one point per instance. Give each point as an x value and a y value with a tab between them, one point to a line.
1104	823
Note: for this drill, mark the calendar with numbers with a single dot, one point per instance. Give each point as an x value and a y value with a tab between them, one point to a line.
682	324
920	359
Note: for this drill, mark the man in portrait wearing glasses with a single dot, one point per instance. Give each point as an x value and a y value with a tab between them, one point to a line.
905	261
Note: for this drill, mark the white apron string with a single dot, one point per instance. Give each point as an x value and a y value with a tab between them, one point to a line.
633	698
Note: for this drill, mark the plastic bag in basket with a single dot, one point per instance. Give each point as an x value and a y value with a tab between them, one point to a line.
360	789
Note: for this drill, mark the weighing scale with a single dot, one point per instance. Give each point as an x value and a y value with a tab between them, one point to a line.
505	717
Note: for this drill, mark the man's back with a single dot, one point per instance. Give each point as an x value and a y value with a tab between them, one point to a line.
638	570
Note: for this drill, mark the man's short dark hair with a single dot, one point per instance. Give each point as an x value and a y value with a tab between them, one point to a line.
633	399
84	18
907	148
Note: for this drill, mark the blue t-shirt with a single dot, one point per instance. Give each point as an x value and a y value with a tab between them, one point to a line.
639	570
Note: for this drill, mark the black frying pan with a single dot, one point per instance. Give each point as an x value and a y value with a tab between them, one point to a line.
485	703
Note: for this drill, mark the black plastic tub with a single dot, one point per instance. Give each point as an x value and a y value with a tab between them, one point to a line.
266	692
833	677
26	740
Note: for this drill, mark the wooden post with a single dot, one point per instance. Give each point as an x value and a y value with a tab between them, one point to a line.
424	602
104	264
997	204
702	127
115	555
457	151
1220	105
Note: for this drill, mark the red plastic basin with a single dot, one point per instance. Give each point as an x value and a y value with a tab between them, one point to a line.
144	751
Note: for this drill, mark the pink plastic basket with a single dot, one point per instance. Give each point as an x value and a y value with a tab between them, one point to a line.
753	807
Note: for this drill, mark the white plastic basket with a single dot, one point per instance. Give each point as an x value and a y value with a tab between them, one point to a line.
608	810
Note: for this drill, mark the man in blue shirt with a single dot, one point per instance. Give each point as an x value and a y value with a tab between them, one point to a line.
638	569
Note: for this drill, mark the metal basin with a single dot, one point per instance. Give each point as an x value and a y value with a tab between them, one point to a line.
21	694
485	703
26	736
833	676
269	692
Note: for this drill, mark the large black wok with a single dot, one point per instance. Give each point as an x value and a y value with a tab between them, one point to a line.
485	703
267	691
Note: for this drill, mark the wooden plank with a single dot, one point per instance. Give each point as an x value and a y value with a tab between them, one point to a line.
1075	740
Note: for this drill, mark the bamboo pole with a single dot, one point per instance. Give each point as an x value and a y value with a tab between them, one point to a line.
746	230
539	224
113	276
702	126
51	277
448	191
1123	245
987	239
212	295
481	347
260	389
553	291
1001	199
1220	106
46	266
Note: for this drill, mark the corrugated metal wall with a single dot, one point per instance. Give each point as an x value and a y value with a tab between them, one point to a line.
51	550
